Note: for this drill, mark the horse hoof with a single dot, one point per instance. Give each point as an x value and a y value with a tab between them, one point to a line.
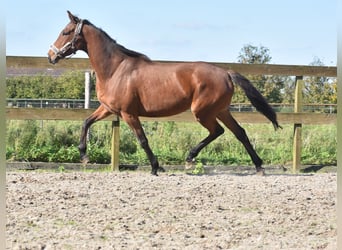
260	171
154	172
189	165
84	159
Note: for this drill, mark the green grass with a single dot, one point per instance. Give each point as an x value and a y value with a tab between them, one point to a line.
56	141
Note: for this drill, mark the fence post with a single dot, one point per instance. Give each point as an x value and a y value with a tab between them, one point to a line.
115	144
87	88
297	129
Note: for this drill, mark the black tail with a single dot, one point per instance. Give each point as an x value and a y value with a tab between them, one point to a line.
257	100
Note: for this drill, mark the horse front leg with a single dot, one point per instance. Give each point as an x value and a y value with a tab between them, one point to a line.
135	125
99	114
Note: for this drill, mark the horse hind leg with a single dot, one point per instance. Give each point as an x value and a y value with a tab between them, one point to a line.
240	134
215	130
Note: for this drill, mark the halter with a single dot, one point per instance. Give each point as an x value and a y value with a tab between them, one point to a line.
69	45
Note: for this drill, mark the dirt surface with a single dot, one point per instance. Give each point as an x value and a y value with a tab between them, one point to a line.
134	210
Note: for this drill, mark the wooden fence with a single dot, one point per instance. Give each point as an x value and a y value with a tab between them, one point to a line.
29	65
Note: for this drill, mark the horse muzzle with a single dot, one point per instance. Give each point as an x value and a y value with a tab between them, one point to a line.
53	59
53	54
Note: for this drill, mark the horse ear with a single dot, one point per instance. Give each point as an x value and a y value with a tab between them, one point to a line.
73	18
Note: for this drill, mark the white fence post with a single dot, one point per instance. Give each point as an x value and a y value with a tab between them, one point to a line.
87	88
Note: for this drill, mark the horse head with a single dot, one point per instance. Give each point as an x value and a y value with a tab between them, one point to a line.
69	40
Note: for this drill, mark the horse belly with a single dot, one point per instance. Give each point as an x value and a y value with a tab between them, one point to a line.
165	109
164	102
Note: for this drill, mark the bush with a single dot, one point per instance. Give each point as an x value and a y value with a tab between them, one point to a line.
67	86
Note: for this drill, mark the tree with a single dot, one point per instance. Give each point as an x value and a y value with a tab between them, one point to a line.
250	54
269	86
320	89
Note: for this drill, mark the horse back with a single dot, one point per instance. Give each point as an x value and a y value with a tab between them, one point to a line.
164	89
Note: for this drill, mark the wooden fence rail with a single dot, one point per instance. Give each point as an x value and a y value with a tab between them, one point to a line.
23	63
241	117
32	65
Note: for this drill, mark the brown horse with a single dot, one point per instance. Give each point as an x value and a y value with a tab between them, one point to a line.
130	85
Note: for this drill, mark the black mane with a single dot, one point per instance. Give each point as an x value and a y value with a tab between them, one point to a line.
132	53
128	52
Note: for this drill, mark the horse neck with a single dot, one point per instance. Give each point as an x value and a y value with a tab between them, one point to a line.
102	52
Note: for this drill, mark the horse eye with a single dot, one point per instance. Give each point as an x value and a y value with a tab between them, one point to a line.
66	33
